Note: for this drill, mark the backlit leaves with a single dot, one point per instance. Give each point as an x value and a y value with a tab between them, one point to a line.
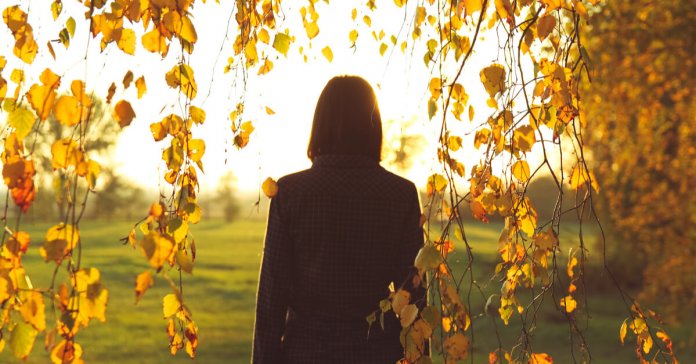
493	79
181	76
60	240
21	341
143	281
22	120
328	54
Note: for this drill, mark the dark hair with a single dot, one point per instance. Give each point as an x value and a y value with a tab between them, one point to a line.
346	120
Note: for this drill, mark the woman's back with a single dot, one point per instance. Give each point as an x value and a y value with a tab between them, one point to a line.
348	228
338	234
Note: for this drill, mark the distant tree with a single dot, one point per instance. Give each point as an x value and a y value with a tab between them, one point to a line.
117	197
226	197
401	145
640	135
101	134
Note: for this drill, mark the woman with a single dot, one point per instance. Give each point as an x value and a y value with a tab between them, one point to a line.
338	234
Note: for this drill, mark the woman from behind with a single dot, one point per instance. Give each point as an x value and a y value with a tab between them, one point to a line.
338	234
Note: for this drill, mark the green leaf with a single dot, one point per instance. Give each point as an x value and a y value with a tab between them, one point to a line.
428	258
22	339
184	261
432	108
22	120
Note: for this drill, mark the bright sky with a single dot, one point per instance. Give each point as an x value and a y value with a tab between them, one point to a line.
278	145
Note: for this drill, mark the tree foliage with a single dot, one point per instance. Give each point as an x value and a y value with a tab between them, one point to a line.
641	133
532	106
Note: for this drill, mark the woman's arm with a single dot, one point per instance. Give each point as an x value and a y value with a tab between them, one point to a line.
274	288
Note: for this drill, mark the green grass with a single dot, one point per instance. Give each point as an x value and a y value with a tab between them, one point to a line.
221	295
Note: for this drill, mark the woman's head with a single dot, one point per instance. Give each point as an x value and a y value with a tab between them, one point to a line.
346	120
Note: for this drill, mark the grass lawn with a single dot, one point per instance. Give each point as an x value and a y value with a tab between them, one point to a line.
221	295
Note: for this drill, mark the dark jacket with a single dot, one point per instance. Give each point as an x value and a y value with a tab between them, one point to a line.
338	234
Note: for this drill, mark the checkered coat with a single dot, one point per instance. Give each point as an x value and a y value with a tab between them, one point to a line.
338	234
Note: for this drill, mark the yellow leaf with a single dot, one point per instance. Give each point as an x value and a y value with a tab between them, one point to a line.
66	352
196	149
353	36
158	130
170	305
93	169
263	36
524	138
141	86
60	240
266	67
23	121
181	76
178	229
647	344
400	3
124	113
70	26
197	114
270	187
454	143
328	54
471	113
551	4
56	8
269	111
157	248
33	309
250	52
154	42
546	240
571	264
383	49
67	110
436	183
367	20
435	87
579	178
312	29
569	303
472	6
188	31
521	170
65	153
143	281
127	41
493	79
281	43
622	332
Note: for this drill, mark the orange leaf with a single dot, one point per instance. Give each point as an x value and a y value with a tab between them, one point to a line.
124	113
143	281
270	187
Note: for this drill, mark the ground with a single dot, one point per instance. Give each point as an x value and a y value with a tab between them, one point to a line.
221	295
